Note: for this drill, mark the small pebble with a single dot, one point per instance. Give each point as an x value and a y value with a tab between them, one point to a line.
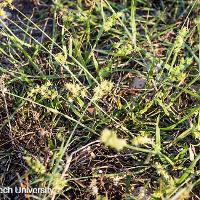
138	83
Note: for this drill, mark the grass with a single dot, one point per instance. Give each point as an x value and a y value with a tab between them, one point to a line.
100	99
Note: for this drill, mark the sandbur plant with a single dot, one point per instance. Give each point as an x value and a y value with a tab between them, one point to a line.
100	99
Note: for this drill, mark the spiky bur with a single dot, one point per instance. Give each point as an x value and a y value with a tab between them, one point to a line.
111	21
35	165
58	183
3	14
180	39
167	182
179	42
110	139
44	90
60	58
142	140
196	133
76	90
176	74
103	89
123	49
3	5
161	171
